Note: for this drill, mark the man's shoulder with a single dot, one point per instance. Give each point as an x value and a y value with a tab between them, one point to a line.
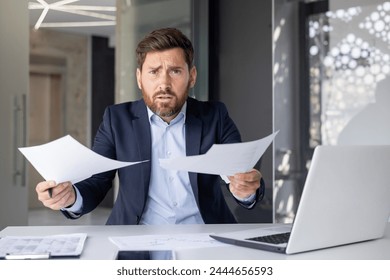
205	104
195	105
127	106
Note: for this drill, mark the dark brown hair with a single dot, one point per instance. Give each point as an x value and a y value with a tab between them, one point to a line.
164	39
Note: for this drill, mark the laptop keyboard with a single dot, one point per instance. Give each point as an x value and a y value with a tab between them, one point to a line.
273	239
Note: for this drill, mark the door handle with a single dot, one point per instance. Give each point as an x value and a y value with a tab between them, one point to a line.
19	139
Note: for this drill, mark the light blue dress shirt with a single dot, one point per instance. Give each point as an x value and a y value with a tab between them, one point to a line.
170	198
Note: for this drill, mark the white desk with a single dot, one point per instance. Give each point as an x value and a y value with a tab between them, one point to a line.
98	247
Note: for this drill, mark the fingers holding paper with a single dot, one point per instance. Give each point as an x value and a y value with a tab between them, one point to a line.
56	196
243	185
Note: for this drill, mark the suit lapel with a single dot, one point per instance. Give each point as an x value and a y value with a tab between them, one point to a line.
143	137
193	141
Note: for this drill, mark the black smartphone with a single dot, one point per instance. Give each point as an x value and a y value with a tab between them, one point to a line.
146	255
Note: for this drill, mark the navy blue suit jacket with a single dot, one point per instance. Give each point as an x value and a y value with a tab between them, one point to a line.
125	135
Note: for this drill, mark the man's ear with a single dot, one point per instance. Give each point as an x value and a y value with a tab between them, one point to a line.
193	74
138	74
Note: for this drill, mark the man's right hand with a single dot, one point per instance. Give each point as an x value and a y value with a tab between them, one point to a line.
62	195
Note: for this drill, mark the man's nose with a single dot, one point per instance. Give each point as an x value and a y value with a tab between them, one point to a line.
165	81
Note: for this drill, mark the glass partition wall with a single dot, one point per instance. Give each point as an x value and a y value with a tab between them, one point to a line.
339	94
349	60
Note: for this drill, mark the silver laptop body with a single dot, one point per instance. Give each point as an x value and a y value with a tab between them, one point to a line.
346	199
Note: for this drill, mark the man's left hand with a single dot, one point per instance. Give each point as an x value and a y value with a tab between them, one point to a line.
242	185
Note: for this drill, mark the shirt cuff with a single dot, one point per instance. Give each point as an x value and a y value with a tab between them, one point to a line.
76	208
247	200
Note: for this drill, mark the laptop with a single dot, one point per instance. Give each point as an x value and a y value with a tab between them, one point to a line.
346	199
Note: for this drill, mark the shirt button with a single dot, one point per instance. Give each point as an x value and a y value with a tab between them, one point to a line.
169	153
175	204
171	178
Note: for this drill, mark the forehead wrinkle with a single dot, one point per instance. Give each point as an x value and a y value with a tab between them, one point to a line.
165	58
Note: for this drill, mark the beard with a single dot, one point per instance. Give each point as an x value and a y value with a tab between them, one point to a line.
165	103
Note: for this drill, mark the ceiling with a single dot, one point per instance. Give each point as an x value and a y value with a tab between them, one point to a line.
98	17
91	17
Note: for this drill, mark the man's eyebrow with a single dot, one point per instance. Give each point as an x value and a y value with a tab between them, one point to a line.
154	66
175	67
151	67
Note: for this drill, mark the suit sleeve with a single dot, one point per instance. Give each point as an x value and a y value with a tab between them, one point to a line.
94	189
230	134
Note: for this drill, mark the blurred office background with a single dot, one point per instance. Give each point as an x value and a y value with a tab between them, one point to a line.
317	71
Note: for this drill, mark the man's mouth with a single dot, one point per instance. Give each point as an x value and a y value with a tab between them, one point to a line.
165	96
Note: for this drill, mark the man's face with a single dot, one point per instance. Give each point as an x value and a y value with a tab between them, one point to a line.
165	81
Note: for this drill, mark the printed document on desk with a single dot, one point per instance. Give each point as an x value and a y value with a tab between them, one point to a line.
165	242
67	245
222	159
65	159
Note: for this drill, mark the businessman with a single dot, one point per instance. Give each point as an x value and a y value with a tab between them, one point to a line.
165	123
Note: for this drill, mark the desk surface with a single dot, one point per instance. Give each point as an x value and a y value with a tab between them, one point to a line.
99	247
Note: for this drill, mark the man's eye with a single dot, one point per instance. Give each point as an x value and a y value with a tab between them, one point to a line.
176	71
153	72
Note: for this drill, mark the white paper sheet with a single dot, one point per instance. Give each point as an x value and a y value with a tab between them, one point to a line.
222	159
54	245
65	159
165	242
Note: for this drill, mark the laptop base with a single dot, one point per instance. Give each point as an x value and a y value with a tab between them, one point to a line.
252	245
